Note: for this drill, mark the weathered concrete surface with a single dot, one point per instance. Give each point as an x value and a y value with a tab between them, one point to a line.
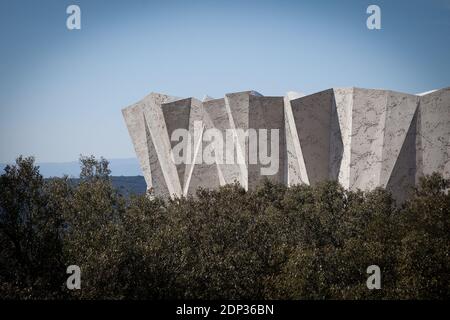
176	116
363	138
267	113
433	133
342	133
295	163
312	117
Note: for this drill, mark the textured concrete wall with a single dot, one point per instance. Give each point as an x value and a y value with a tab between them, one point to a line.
363	138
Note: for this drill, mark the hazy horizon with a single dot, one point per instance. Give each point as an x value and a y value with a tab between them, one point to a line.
118	167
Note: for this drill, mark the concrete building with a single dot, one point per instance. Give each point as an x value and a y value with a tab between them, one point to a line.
363	138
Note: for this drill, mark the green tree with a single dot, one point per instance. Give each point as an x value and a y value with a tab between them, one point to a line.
31	261
424	256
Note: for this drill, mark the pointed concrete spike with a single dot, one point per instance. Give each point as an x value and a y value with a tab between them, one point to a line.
207	98
256	93
292	95
425	93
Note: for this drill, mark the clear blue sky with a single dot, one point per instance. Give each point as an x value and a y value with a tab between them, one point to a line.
61	91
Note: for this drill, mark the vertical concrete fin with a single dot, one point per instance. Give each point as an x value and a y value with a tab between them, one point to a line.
239	105
134	119
343	101
158	132
400	110
296	171
368	118
176	116
336	144
434	133
158	183
402	176
266	120
312	115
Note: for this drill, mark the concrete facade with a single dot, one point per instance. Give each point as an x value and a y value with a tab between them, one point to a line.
363	138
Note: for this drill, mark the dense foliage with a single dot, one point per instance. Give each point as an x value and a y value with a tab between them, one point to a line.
275	242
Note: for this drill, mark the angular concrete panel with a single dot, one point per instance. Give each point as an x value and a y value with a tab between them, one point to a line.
341	150
157	184
312	116
295	164
402	177
140	132
158	132
134	119
400	110
368	123
217	117
433	137
194	145
176	116
267	113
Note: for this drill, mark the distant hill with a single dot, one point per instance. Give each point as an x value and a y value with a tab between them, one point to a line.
126	174
119	167
126	186
129	185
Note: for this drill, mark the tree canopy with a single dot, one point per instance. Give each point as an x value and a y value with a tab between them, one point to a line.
275	242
